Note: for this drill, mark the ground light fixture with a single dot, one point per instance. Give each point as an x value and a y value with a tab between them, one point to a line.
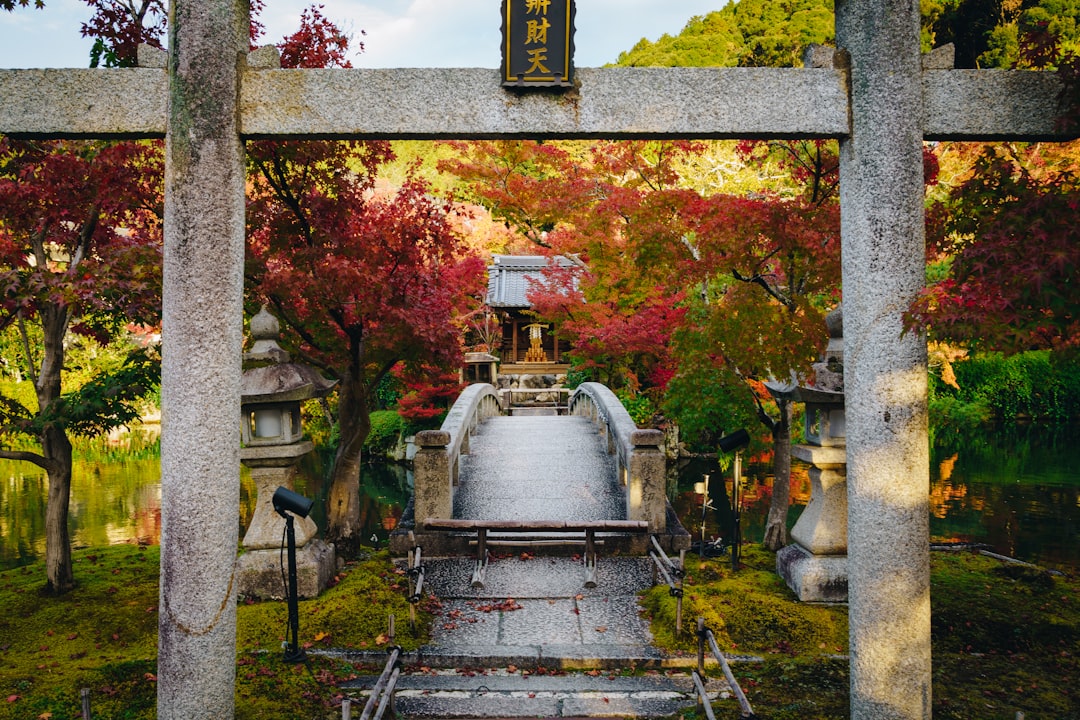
702	488
735	442
289	504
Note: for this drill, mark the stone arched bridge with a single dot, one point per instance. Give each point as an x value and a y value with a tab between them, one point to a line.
593	468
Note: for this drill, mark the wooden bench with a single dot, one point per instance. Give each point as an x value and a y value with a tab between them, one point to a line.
554	531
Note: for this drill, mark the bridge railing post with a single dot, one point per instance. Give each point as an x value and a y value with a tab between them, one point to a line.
639	458
433	475
646	490
435	467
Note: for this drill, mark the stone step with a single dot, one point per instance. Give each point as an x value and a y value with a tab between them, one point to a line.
502	693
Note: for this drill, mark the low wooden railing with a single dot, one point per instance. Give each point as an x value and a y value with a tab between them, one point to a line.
705	636
672	574
554	531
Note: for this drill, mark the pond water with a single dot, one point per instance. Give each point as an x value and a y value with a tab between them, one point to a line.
1018	492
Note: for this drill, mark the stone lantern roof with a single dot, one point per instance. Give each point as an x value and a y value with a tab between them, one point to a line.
269	376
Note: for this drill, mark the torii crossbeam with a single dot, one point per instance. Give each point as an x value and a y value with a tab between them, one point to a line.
880	104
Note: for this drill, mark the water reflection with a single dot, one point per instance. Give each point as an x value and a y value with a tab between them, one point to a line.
756	495
120	502
1018	492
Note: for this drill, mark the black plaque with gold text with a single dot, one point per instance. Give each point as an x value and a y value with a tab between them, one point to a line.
538	43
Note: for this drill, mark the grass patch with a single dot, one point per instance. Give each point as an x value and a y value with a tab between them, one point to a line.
750	612
103	635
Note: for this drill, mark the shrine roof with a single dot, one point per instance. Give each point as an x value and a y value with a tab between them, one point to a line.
509	278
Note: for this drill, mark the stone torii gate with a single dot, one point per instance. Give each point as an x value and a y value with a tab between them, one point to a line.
878	101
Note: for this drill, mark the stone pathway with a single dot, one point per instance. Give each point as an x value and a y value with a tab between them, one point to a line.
534	641
538	468
503	693
537	612
504	651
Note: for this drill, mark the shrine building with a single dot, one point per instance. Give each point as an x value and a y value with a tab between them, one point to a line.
529	346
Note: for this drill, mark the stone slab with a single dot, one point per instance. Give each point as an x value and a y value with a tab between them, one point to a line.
814	578
542	622
537	577
259	572
469	103
701	103
499	693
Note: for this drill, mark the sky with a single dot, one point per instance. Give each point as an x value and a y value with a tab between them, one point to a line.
398	33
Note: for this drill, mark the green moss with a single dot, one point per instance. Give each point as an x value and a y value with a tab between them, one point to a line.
751	611
351	615
1006	639
103	636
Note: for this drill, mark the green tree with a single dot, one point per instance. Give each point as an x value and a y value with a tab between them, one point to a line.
771	33
79	253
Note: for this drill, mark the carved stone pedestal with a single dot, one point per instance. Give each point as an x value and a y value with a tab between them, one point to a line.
814	578
815	565
259	570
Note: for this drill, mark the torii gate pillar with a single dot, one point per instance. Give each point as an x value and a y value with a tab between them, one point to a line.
882	226
202	326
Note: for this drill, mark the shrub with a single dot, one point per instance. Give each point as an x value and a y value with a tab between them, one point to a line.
1038	385
387	427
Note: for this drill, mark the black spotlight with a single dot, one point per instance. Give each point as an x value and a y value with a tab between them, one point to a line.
288	504
735	442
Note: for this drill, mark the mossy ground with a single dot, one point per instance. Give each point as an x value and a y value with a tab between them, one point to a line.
103	636
1006	639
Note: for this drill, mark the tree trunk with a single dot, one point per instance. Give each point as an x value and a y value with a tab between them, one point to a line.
343	500
56	449
58	571
776	534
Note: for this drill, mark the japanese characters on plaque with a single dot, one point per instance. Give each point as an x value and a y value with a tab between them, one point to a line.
538	43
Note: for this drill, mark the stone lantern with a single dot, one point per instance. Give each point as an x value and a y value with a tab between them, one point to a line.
273	444
815	564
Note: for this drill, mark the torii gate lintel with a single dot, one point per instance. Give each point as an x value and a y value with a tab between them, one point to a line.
467	103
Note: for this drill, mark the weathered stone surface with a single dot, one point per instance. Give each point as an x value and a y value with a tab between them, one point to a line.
882	224
537	468
940	58
822	526
814	578
468	102
1011	104
113	103
202	329
640	465
265	528
148	56
259	572
619	102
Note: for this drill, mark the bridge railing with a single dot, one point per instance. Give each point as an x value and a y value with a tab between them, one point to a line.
435	467
640	459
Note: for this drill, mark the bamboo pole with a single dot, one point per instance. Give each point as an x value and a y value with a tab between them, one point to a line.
747	711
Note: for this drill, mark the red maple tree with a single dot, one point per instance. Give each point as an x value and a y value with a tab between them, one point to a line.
674	293
1008	243
362	281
